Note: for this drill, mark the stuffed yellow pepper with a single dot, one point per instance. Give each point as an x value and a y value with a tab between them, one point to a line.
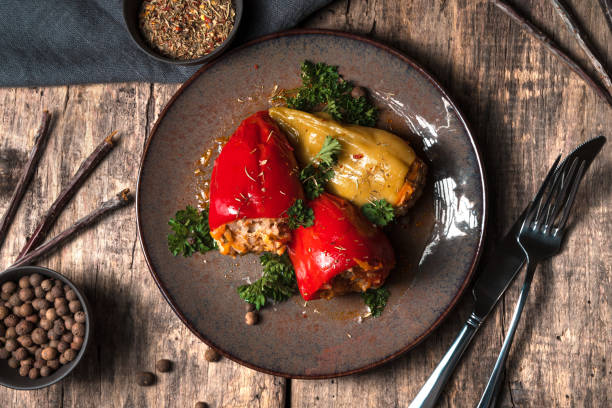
373	164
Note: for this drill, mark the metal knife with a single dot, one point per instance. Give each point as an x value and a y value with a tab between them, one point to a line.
494	279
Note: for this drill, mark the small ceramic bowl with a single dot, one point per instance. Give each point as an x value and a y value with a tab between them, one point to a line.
130	15
9	377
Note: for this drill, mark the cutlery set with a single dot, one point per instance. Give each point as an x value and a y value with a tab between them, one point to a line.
536	236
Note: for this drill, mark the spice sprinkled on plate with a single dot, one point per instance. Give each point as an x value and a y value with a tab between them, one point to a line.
186	29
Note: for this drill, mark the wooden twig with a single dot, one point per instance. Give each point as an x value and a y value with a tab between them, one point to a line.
553	48
606	6
26	176
67	193
120	200
573	27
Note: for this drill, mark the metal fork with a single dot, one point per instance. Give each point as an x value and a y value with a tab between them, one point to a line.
540	238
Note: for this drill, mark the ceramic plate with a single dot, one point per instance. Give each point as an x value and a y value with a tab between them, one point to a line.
437	244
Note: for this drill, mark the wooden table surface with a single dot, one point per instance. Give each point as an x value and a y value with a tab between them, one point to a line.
524	108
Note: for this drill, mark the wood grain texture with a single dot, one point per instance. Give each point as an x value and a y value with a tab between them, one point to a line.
524	108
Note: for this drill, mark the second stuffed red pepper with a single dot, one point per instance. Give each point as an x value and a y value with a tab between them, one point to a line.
342	252
254	182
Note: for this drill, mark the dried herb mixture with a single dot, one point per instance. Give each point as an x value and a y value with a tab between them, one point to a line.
186	29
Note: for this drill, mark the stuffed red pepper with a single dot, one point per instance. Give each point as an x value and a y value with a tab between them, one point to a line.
342	252
254	182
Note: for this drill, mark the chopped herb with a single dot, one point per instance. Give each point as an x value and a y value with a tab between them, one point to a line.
323	88
277	281
320	171
191	232
376	300
300	215
380	212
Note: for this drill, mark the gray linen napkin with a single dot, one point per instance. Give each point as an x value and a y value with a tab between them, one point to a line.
60	42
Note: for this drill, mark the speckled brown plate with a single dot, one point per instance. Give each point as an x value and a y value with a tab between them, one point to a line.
437	244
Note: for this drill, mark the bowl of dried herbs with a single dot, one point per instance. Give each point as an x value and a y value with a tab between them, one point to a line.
186	32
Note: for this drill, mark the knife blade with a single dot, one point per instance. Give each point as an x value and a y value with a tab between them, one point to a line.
501	269
508	257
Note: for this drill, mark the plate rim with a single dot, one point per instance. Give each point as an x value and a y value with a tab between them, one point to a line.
484	219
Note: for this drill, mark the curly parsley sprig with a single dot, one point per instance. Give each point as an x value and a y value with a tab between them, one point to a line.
300	215
323	88
191	232
380	212
315	175
376	300
277	282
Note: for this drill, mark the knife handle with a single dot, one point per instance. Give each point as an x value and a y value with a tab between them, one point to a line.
429	394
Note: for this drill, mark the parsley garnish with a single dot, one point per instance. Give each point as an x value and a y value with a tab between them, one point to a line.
380	212
300	215
191	232
320	171
277	281
324	89
376	300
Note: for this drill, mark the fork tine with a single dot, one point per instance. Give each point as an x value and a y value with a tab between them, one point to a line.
537	200
572	195
553	193
562	194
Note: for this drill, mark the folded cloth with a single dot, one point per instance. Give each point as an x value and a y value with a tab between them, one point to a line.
85	41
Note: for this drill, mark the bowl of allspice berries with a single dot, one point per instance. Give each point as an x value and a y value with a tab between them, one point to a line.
44	327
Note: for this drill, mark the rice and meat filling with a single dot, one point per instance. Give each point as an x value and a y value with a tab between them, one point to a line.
253	235
355	279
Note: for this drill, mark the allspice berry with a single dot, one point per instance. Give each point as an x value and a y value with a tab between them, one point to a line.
40	304
145	378
25	294
77	343
78	329
24	282
26	309
163	365
11	333
58	327
4	311
24	327
39	363
26	362
21	354
9	287
13	363
46	323
49	353
11	320
39	292
53	364
59	301
68	322
51	314
24	371
25	341
33	373
63	346
45	371
46	284
211	355
62	309
67	337
33	318
201	404
74	306
35	279
14	300
71	295
69	355
80	317
251	318
57	291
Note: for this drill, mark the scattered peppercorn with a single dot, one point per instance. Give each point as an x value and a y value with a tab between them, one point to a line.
163	365
211	355
145	378
201	405
251	318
